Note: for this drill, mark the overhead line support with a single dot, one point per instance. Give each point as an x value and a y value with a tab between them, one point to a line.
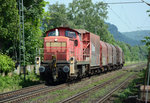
21	38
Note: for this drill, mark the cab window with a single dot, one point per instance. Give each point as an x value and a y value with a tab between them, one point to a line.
52	33
80	37
70	34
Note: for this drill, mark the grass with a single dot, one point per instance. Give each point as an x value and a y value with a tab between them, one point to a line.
105	90
132	62
15	82
130	90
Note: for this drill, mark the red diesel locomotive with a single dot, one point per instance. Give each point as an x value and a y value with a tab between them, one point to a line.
72	53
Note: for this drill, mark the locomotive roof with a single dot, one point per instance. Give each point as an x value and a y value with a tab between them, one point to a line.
77	30
61	27
81	30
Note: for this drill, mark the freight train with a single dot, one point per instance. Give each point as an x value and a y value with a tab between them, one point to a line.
77	53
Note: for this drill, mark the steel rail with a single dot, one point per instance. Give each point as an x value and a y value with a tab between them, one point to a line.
77	96
20	91
108	95
32	94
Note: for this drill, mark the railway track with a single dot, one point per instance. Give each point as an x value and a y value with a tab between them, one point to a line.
81	95
21	95
108	95
21	91
78	97
31	92
105	98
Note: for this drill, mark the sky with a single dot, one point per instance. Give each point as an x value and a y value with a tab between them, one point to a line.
127	17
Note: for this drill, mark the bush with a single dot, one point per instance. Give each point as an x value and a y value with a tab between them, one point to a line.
6	64
16	82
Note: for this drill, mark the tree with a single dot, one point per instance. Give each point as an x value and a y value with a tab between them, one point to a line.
147	41
89	16
9	24
33	15
6	64
81	14
55	17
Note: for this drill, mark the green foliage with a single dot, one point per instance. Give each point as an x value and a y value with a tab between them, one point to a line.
137	35
148	11
33	11
16	82
133	53
57	15
132	38
31	79
46	22
131	90
147	41
6	64
8	19
33	41
8	25
87	15
33	15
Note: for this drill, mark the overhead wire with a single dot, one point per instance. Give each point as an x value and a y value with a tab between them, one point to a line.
126	17
119	17
145	2
124	2
142	1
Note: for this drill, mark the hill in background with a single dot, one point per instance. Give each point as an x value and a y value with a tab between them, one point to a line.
132	38
137	35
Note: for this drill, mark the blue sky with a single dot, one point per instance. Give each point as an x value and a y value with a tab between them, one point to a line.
127	17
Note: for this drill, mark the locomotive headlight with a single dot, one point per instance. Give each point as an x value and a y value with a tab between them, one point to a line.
42	69
56	40
66	69
37	62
